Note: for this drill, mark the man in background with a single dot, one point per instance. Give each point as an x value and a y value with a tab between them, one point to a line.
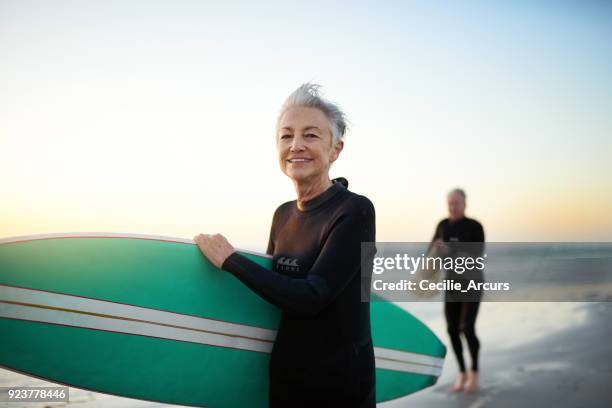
461	311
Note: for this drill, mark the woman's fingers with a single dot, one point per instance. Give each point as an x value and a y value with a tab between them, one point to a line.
215	247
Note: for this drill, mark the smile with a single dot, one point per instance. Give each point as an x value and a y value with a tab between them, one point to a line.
299	160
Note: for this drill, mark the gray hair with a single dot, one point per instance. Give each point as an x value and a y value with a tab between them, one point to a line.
458	191
307	95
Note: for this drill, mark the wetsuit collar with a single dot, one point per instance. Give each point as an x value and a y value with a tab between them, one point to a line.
338	185
458	220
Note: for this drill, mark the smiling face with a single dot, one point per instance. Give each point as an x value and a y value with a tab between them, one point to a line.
304	143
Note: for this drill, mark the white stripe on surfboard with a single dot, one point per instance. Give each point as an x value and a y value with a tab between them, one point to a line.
120	310
62	317
35	305
35	237
403	356
407	367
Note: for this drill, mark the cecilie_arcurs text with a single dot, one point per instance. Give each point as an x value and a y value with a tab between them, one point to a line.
443	285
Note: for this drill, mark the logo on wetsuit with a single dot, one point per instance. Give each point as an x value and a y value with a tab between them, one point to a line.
287	264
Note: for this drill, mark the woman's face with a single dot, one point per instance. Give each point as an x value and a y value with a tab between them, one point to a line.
304	143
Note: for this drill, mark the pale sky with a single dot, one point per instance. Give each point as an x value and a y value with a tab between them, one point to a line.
158	117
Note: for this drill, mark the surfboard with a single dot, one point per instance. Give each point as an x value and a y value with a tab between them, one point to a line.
148	317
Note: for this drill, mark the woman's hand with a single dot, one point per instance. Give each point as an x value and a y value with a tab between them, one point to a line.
214	247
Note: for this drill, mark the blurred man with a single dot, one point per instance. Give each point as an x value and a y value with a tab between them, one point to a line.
461	309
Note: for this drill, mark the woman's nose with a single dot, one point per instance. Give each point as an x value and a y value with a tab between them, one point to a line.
296	145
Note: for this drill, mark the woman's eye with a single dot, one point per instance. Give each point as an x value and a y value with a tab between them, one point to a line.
311	135
285	136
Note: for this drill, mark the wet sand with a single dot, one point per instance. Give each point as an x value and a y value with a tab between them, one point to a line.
532	354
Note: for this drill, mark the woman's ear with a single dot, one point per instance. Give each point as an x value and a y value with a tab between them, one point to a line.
336	151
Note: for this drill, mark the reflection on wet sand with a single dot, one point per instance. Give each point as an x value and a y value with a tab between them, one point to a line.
533	354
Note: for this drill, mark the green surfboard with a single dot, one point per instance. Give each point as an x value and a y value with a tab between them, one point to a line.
148	317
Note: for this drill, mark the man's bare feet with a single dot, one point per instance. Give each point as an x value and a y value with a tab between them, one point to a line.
472	381
459	382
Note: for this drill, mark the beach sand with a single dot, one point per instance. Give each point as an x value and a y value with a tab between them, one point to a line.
532	354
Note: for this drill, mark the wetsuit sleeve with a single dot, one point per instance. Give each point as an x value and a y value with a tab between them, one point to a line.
480	238
437	234
270	249
338	262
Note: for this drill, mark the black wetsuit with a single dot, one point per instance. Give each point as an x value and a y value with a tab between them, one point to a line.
323	353
465	235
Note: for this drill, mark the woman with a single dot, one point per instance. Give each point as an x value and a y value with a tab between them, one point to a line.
460	235
323	353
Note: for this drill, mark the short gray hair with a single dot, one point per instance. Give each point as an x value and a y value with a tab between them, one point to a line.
307	95
458	191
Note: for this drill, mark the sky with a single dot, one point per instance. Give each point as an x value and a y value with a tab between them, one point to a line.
158	117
